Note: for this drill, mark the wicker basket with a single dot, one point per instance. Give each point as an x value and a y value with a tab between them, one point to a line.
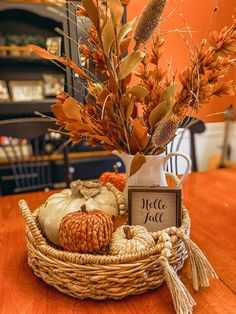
104	276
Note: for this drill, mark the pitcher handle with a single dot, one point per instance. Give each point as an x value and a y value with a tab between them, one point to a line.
188	164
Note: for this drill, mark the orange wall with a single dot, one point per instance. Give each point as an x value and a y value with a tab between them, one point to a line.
197	13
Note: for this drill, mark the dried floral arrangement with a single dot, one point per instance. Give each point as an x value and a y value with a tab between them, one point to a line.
110	114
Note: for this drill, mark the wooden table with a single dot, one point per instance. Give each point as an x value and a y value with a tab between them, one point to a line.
211	200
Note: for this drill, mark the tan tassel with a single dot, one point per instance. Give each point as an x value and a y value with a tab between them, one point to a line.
201	269
182	299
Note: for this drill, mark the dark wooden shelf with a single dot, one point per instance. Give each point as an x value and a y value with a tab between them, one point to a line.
71	156
19	58
24	60
26	108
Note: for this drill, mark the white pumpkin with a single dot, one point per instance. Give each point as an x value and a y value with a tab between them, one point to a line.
58	205
130	240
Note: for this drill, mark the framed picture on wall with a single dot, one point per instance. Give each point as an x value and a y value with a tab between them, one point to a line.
4	94
26	90
53	84
54	45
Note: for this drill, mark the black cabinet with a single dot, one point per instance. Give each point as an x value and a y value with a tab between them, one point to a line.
26	22
17	19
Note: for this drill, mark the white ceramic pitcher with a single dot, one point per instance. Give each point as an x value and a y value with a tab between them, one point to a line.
152	171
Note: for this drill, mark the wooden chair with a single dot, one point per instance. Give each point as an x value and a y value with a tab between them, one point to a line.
29	162
195	126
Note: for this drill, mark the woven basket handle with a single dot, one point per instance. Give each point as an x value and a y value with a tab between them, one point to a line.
30	223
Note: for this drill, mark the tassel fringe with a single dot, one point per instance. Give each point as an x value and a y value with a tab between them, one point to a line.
201	269
183	301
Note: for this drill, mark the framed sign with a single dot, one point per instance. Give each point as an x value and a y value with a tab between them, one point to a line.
53	84
154	208
54	45
26	90
4	95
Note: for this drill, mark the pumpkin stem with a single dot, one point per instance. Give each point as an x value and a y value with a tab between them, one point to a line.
127	232
75	187
83	208
115	168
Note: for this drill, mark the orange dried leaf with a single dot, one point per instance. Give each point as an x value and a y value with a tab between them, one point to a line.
139	131
102	97
62	96
91	10
108	37
126	81
116	11
134	145
125	29
67	62
141	122
130	62
130	108
112	83
137	162
81	11
139	137
101	138
76	68
168	95
78	126
58	112
138	91
72	109
158	113
124	45
44	53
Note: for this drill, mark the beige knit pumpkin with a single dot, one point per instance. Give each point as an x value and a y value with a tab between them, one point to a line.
130	240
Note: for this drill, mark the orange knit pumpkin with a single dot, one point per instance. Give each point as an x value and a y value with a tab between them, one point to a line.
115	178
86	232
